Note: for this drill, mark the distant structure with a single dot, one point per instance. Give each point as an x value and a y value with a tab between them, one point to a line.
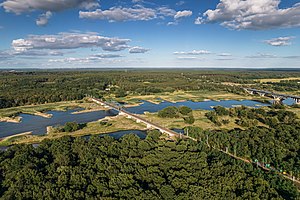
278	98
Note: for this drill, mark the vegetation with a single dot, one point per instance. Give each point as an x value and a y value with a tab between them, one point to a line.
39	87
277	142
9	114
173	112
131	168
69	127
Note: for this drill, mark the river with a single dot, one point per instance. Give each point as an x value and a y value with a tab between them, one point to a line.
38	124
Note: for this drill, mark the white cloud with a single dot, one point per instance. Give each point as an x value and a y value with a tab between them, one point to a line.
194	52
280	41
107	56
180	3
199	20
47	6
137	1
138	50
172	23
181	14
43	19
114	14
224	54
23	6
165	11
254	14
69	41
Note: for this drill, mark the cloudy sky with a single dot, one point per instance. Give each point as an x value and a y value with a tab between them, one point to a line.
149	33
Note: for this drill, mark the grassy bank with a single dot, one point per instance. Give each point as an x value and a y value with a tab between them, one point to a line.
118	123
200	121
11	114
187	96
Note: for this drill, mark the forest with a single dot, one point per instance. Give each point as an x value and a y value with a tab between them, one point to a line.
275	141
156	167
132	168
38	87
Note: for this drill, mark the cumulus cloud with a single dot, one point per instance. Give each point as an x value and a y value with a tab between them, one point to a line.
199	20
138	50
280	41
181	14
37	53
254	14
24	6
69	41
47	6
43	19
194	52
114	14
107	56
135	13
165	11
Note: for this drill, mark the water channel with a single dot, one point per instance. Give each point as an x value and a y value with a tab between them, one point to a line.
37	125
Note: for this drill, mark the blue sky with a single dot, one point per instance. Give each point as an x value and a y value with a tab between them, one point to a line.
149	33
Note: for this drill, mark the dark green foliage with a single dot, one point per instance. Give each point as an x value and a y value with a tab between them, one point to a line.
184	110
131	168
169	112
173	112
37	87
105	123
221	110
212	116
189	119
69	127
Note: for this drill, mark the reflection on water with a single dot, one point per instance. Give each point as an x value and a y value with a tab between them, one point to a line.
204	105
38	124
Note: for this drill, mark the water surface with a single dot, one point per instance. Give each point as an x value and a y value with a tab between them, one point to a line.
38	125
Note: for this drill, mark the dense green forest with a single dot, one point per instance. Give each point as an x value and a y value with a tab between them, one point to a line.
276	141
37	87
131	168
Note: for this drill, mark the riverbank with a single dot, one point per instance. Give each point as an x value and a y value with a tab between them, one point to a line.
179	96
12	114
6	141
117	123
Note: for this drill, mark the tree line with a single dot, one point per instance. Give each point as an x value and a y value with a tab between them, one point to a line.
132	168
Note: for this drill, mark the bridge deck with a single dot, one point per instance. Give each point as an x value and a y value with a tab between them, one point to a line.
162	129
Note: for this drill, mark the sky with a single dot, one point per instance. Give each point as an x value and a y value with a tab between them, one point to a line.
149	33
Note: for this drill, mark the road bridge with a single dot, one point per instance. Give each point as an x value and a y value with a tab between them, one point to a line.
138	119
278	98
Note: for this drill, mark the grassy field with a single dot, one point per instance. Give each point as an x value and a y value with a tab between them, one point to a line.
200	121
185	96
277	80
118	123
11	114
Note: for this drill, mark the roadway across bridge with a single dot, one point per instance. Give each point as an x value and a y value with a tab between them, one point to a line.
278	98
138	119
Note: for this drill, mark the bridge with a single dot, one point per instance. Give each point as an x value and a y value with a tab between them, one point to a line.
138	119
278	98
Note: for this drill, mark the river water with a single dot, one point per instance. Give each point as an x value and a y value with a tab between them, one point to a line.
38	125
